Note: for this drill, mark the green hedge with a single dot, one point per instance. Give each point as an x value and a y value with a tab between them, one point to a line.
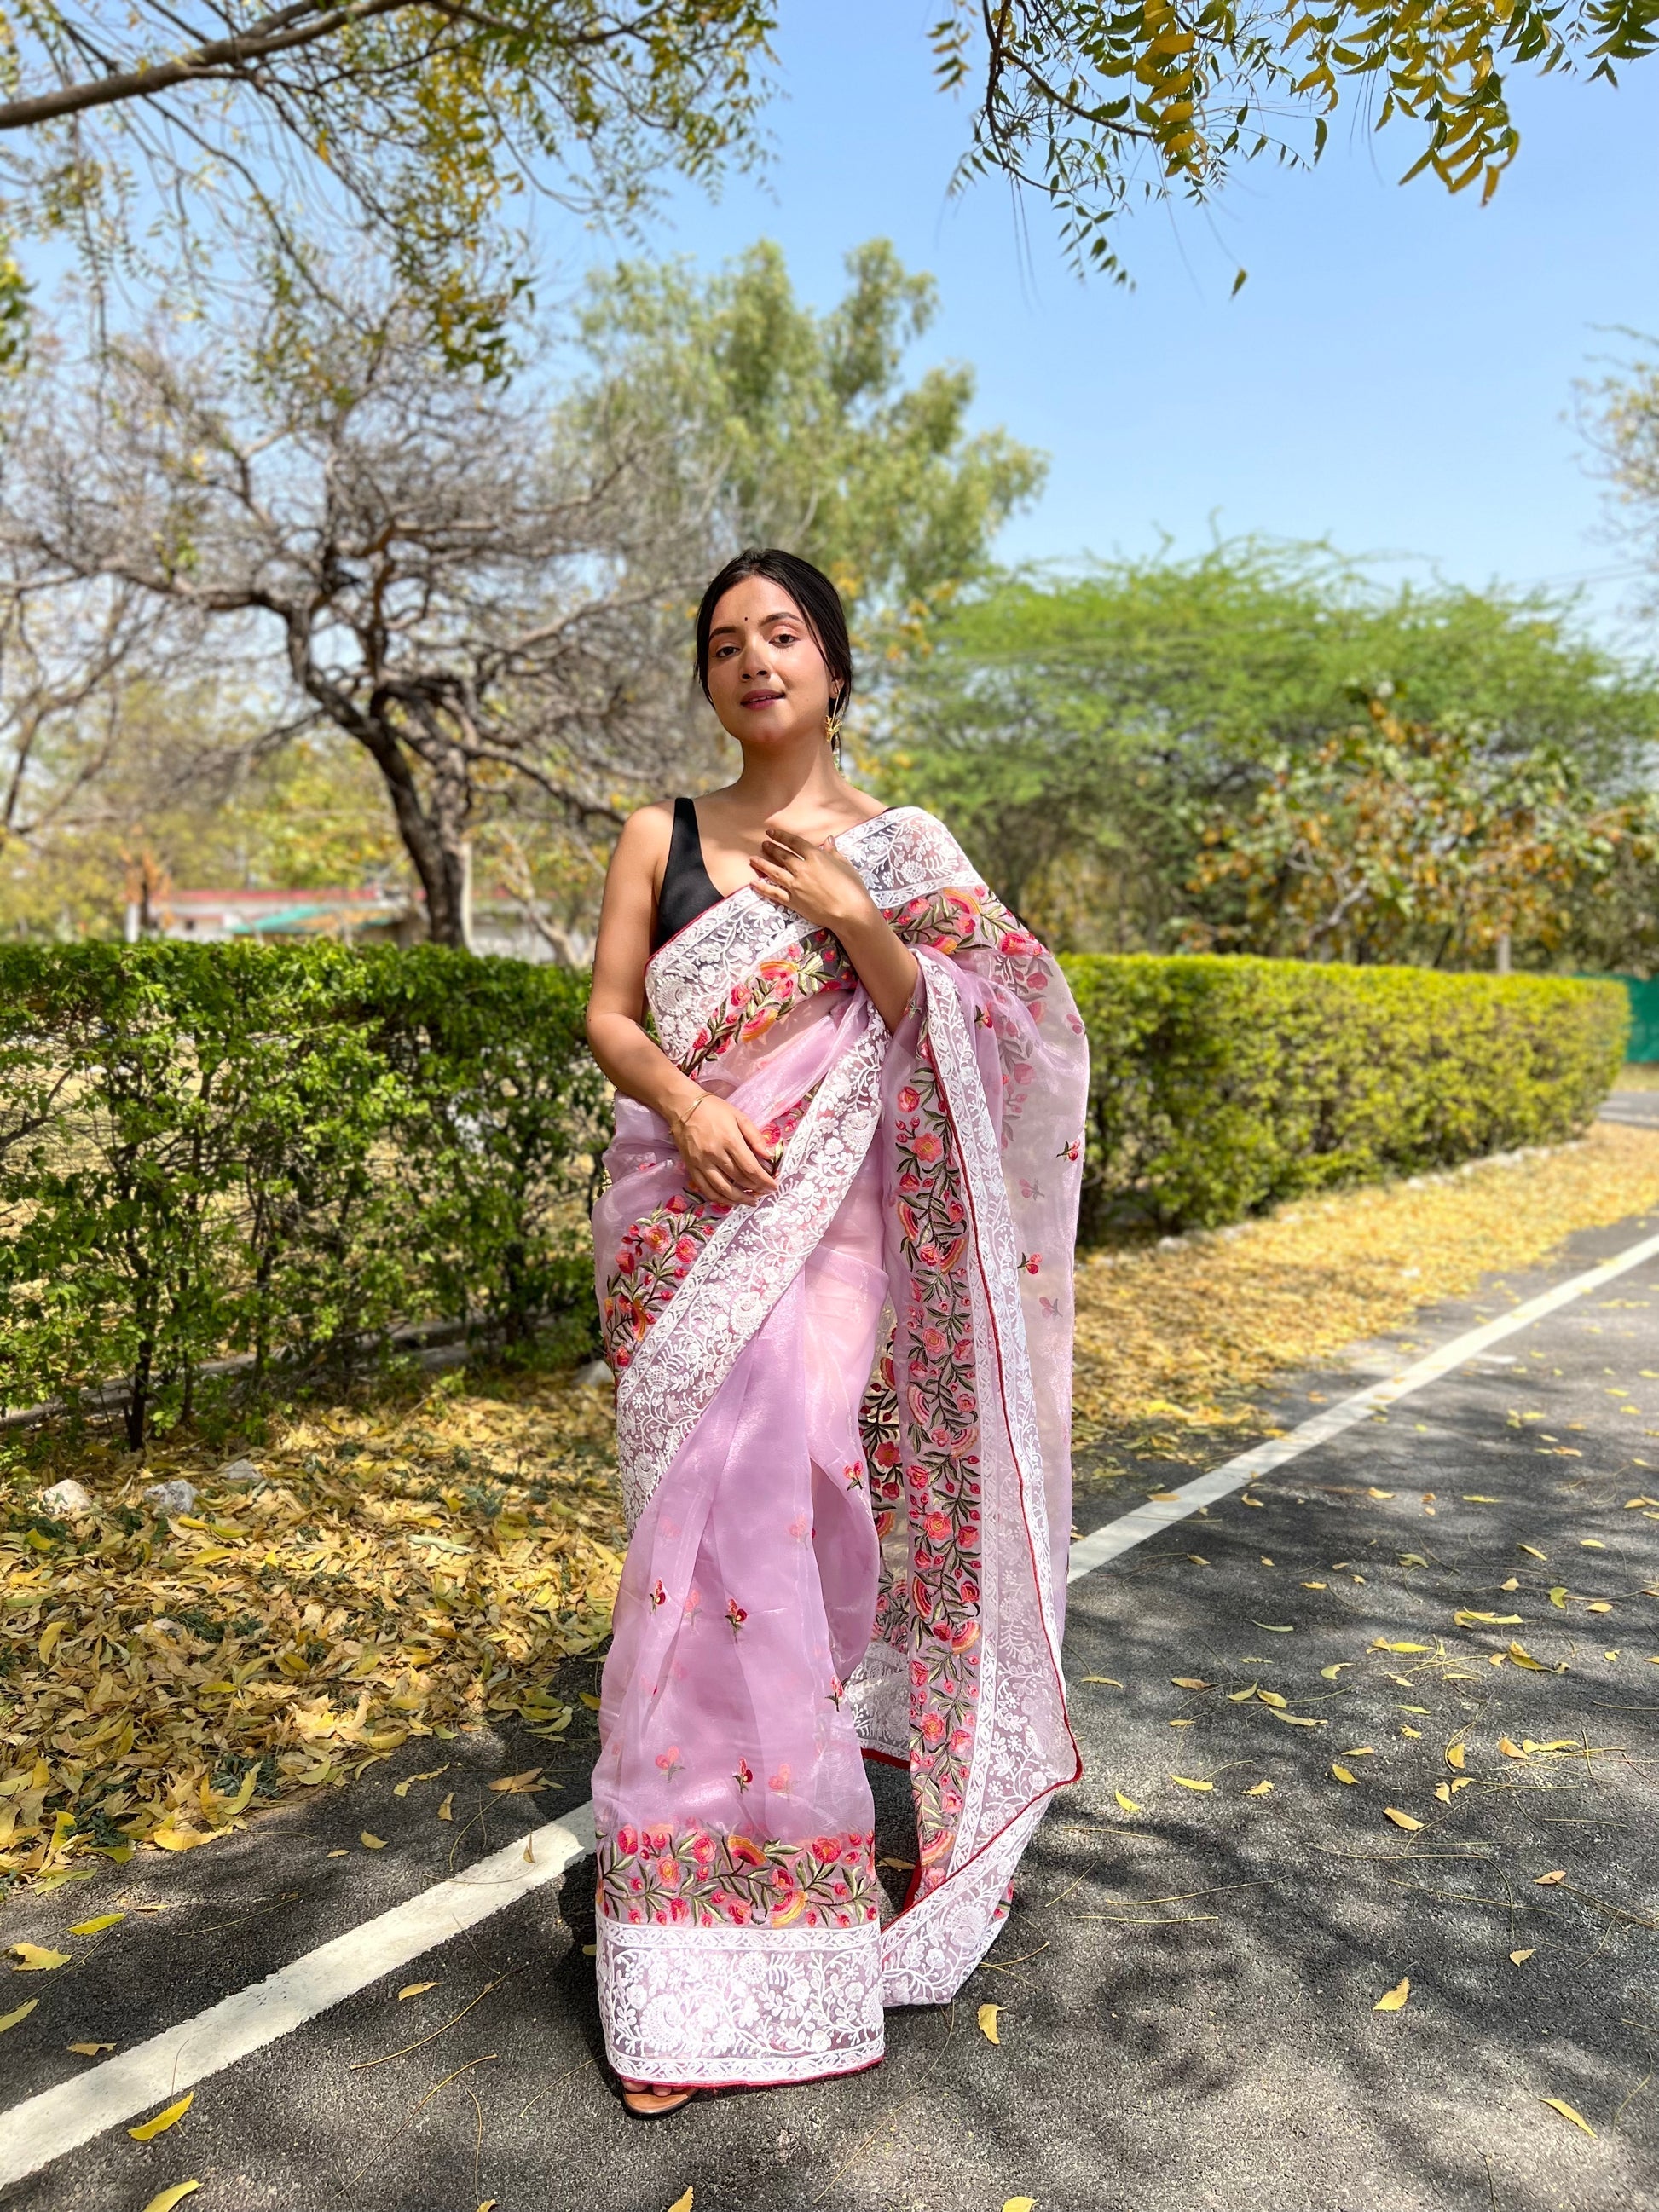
1221	1085
280	1151
284	1151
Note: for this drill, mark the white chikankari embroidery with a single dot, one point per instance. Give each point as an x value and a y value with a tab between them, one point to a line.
739	2004
744	1270
901	855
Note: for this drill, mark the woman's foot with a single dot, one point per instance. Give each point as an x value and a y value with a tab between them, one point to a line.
650	2100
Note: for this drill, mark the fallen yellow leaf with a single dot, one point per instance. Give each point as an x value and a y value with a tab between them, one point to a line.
1394	1999
88	2049
372	1843
401	1789
150	2129
1330	1673
589	1700
1272	1697
1281	1630
446	1810
1019	2205
1407	1729
1510	1585
988	2016
1544	1880
1343	1775
1110	1680
1454	1755
35	1958
1382	1644
93	1927
1379	1494
682	2203
182	1839
1190	1682
169	2198
1443	1791
10	2019
415	1989
515	1786
1466	1619
1400	1819
1186	1783
1559	2105
1533	1551
1510	1748
1127	1803
1517	1957
1522	1657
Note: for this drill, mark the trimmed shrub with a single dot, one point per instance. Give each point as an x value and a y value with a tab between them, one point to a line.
1221	1085
280	1151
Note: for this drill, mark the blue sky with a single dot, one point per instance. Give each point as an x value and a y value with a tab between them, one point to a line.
1396	375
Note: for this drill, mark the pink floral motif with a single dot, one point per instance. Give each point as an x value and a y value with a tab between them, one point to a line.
710	1879
778	984
658	1251
670	1760
745	1774
735	1615
658	1595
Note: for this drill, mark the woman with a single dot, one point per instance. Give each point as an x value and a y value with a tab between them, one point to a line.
834	1270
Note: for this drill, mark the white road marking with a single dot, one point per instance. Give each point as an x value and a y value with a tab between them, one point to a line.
153	2073
43	2128
1131	1529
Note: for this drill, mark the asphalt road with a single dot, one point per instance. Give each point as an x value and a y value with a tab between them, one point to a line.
1187	1980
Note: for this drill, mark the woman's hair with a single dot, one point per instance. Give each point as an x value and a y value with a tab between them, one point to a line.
812	592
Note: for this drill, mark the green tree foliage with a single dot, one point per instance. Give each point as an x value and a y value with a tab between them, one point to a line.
129	122
426	123
801	429
1095	107
1084	733
1401	840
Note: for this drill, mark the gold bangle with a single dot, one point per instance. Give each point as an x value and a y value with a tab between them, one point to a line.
678	1121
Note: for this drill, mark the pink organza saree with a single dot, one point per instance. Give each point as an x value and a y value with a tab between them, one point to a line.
843	1418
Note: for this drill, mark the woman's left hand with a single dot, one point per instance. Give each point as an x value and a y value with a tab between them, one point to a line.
815	880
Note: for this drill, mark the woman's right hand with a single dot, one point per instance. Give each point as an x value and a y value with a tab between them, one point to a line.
726	1158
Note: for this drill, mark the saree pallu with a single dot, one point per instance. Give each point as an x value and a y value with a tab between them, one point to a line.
843	1420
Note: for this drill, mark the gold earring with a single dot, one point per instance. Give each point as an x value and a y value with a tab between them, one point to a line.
832	726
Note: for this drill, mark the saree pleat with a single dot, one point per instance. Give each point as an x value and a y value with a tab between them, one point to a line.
843	1422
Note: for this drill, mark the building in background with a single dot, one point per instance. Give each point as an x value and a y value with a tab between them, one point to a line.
376	914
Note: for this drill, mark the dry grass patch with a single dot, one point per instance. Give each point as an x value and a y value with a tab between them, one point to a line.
1171	1340
397	1571
422	1563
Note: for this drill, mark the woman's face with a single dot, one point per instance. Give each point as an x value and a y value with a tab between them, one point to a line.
767	678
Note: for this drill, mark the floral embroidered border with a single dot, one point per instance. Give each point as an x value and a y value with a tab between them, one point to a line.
689	1877
750	1259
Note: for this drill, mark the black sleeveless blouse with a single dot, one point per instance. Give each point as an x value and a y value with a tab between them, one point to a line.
686	890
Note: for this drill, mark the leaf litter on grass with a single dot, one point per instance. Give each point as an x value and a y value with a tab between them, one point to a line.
412	1566
1171	1340
403	1569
